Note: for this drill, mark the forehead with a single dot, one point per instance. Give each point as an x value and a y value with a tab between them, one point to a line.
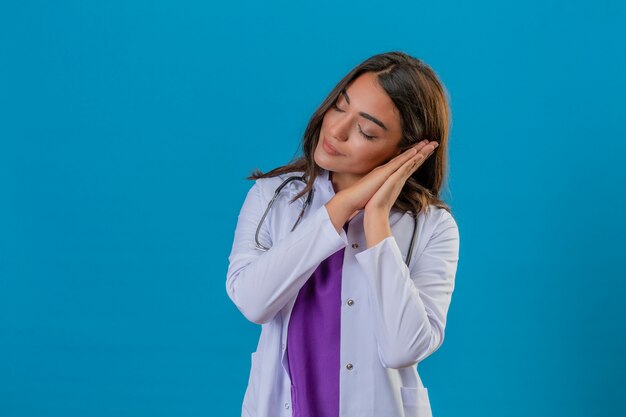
366	95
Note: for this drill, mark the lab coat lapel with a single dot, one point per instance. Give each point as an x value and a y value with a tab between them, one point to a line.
322	194
324	191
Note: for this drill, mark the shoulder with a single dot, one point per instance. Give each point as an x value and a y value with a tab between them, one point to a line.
266	187
431	221
274	182
443	216
443	222
437	219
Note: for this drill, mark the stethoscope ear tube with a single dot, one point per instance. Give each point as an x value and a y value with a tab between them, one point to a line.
408	256
258	245
306	204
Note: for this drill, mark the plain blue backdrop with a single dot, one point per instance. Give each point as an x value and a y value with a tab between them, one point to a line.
127	129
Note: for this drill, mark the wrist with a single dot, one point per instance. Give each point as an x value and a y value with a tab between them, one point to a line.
339	210
376	214
376	226
347	201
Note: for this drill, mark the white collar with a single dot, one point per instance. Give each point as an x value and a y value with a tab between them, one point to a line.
324	180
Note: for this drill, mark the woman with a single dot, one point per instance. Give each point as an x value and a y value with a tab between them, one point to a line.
357	294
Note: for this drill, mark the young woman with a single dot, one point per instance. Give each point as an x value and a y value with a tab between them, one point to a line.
347	256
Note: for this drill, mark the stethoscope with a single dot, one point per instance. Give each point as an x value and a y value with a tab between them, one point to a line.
306	204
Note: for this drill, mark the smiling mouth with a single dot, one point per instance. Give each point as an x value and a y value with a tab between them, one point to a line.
329	149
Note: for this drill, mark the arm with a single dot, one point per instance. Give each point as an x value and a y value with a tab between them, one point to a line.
261	283
410	307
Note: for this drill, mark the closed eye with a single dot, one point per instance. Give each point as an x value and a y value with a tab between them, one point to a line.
366	136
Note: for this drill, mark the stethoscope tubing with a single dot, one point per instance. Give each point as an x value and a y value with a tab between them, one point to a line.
306	204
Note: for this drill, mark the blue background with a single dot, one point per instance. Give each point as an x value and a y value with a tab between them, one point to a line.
126	131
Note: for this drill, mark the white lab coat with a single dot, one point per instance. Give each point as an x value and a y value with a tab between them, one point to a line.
396	316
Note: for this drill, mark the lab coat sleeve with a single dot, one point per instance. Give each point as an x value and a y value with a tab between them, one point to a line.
410	307
261	283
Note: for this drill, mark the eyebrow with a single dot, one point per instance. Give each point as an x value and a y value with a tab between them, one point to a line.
367	116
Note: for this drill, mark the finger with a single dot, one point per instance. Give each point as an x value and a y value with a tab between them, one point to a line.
413	150
405	156
407	153
407	168
396	179
395	182
413	163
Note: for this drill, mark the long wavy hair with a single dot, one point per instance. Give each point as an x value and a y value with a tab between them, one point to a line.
422	102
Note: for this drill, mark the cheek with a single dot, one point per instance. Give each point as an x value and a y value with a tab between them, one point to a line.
366	157
370	157
327	117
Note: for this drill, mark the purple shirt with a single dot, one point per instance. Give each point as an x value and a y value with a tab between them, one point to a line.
313	341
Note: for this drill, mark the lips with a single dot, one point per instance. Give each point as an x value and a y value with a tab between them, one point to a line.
329	149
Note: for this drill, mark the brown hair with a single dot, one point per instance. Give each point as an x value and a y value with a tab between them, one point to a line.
424	112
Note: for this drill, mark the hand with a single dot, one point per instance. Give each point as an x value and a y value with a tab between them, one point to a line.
389	176
384	199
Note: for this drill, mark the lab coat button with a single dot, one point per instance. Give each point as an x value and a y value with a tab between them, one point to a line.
355	245
349	366
287	406
350	302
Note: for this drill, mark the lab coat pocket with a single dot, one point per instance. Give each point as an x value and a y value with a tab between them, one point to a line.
415	402
250	399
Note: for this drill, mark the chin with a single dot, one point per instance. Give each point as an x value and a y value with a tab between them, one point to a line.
317	161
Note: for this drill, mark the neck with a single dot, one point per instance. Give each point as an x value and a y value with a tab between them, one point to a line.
342	181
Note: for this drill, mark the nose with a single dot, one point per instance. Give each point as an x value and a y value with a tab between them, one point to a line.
340	128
